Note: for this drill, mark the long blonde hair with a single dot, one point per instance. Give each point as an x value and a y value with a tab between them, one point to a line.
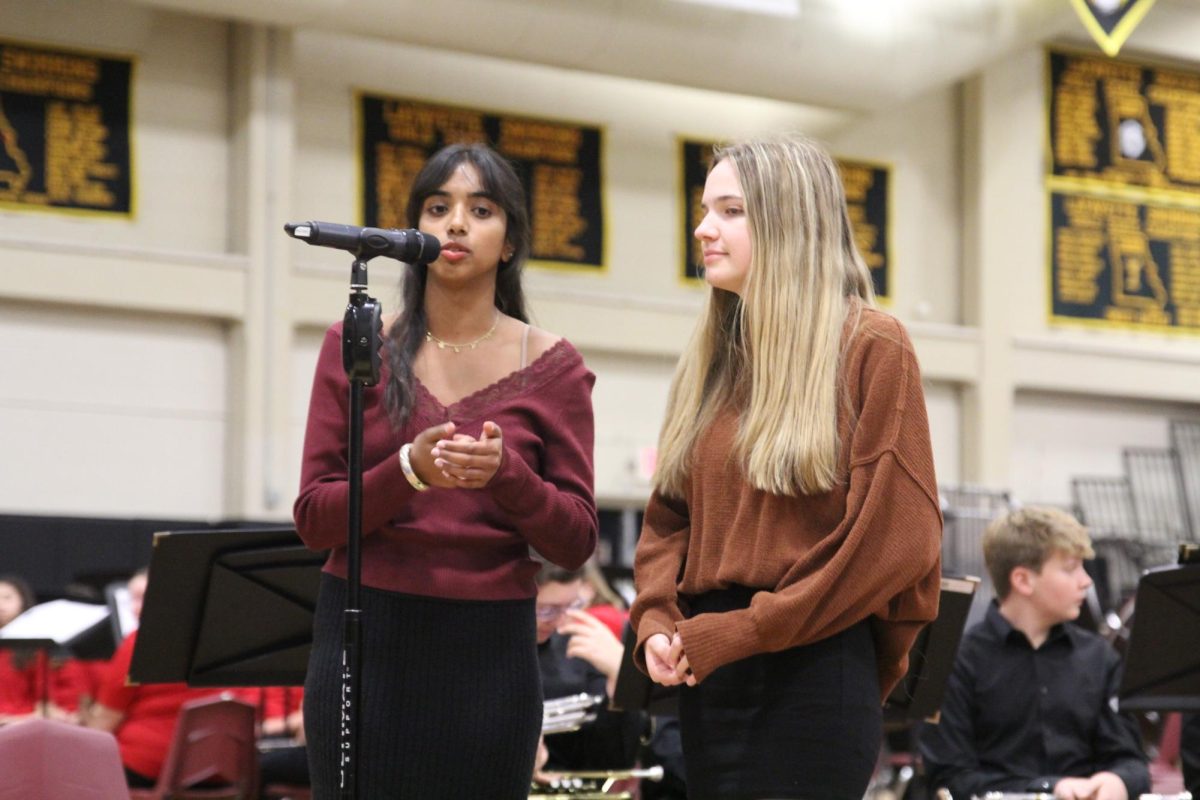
774	351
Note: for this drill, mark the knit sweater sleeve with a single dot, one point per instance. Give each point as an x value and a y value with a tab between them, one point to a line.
554	508
882	560
657	565
321	511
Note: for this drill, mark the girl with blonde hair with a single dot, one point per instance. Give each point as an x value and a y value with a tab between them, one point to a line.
791	547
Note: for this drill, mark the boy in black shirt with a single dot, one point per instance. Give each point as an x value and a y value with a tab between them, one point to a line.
1031	703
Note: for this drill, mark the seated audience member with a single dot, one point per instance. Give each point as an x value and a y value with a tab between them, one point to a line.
601	600
15	596
142	717
1189	753
1030	704
584	660
283	723
37	682
579	643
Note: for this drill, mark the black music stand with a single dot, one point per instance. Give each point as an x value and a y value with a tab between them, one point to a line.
918	695
228	608
1162	662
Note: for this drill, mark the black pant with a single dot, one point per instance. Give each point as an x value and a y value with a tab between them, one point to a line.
451	699
801	723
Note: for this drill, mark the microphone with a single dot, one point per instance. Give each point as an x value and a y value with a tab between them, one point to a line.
409	245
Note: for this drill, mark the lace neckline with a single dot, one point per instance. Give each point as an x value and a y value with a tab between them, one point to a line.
474	404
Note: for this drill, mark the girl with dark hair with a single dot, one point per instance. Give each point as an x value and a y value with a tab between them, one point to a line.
477	446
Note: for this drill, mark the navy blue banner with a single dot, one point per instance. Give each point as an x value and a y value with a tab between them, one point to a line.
558	162
64	130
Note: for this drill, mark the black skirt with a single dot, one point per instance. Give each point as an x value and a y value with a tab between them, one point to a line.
451	698
801	723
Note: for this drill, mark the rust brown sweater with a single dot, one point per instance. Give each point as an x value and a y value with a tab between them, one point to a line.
870	548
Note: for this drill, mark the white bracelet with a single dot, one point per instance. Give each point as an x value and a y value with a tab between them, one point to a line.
406	466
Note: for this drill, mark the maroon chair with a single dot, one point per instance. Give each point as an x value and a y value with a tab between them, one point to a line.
213	754
50	760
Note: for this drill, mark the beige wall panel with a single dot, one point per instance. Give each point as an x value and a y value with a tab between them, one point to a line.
111	414
920	141
1057	437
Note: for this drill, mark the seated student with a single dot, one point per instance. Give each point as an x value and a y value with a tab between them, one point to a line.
1029	706
286	761
142	717
582	661
601	600
15	702
582	643
37	682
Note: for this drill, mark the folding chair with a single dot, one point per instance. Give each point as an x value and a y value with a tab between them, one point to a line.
213	754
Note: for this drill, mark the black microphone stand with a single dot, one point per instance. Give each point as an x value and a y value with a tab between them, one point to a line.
361	329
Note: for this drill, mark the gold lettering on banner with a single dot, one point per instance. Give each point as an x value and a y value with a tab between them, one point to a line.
1181	128
396	167
558	162
1149	118
539	141
56	147
1075	128
75	153
1079	250
859	180
1181	228
1130	241
556	212
417	123
60	75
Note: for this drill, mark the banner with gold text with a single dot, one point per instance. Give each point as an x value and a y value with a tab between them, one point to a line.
1125	264
559	163
65	141
868	201
1123	125
1123	186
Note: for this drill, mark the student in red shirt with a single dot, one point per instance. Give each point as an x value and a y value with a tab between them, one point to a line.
142	717
37	682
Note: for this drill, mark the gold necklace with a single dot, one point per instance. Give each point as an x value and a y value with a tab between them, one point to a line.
458	348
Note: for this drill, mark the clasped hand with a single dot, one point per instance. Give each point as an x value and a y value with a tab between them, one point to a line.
441	457
1101	786
666	661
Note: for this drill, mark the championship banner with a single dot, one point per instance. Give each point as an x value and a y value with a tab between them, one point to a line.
1111	21
868	201
1124	264
1117	124
65	139
558	162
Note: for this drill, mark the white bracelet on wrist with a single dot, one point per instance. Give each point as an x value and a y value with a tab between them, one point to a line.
406	467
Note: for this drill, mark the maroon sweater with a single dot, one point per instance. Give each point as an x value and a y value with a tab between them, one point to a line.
456	543
868	549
